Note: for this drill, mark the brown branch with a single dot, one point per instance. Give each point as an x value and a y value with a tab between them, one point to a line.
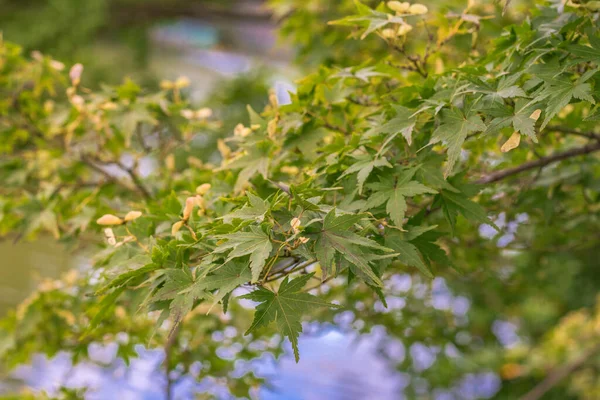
559	374
542	162
589	135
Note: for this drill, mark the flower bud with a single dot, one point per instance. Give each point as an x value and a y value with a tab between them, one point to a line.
190	202
203	189
399	7
182	81
417	9
290	170
388	33
131	215
176	227
75	74
166	85
204	113
187	114
295	224
404	29
109	219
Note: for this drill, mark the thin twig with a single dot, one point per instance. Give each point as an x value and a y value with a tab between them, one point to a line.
578	151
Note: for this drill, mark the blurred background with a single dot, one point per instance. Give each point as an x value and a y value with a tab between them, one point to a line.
439	340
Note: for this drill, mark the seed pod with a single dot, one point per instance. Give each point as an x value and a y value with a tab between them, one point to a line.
109	219
176	227
131	215
417	9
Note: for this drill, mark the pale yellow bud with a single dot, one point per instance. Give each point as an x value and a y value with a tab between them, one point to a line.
203	189
187	114
182	81
290	170
417	9
404	29
273	99
388	33
36	55
200	201
131	215
108	232
77	102
166	85
295	224
176	227
57	65
223	149
48	106
399	7
303	239
190	202
204	113
536	114
272	128
109	219
195	162
170	162
254	126
109	106
75	74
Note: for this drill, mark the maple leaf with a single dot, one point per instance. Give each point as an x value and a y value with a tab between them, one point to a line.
225	278
335	238
561	91
455	203
255	243
402	123
364	167
286	307
453	131
393	192
255	211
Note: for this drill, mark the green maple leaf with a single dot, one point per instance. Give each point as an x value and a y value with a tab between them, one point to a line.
255	243
393	191
402	123
364	167
453	131
254	211
519	118
408	253
561	91
455	203
335	238
286	307
225	278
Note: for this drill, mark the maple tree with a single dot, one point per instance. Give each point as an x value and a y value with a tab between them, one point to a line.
385	165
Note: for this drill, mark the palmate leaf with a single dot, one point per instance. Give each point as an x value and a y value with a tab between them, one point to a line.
453	131
255	243
402	123
286	307
254	211
364	166
225	278
407	253
393	192
560	92
335	238
519	118
455	203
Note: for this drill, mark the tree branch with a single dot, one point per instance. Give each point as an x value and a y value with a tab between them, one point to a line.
542	162
559	374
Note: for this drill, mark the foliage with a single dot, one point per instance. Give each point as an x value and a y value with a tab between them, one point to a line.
382	167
